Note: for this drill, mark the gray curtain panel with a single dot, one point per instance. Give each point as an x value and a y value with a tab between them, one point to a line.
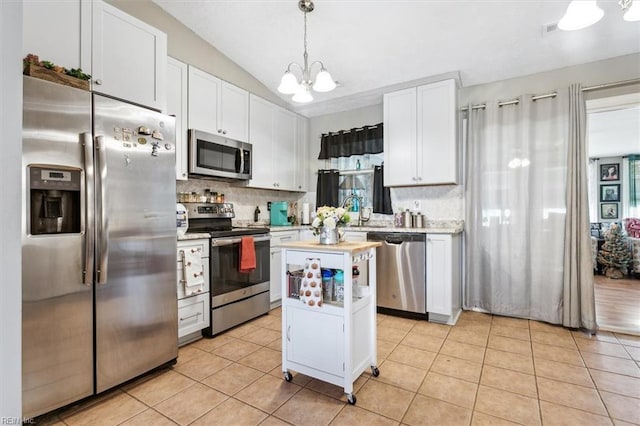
515	192
578	294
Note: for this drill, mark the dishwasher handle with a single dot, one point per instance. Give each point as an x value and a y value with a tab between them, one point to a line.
393	239
396	237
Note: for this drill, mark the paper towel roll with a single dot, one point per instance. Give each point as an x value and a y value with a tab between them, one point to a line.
306	220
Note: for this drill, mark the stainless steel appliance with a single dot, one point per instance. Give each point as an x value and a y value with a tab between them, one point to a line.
401	271
218	157
236	296
98	244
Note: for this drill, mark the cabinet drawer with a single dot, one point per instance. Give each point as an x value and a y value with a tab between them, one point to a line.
193	246
278	238
180	277
193	314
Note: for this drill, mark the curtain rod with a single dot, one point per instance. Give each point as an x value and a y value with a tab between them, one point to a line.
357	130
554	94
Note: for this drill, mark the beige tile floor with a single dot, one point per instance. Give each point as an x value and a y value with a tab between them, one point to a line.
487	370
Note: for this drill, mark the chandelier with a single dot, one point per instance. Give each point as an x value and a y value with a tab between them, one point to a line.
581	14
300	89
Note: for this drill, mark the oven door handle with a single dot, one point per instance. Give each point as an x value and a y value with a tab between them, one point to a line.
217	242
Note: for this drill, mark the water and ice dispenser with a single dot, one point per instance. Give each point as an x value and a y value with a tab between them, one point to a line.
54	200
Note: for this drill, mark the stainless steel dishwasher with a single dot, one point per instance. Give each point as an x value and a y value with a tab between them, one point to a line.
401	271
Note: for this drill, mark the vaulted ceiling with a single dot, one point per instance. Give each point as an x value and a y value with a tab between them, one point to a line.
370	45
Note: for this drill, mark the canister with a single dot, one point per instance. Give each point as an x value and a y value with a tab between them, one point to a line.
406	219
417	220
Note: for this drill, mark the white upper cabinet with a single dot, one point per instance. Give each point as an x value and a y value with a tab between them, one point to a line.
204	91
273	133
177	75
129	57
217	107
125	57
233	112
301	148
420	142
68	44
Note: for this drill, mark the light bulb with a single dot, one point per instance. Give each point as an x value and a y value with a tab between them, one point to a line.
289	84
303	95
324	82
633	13
580	14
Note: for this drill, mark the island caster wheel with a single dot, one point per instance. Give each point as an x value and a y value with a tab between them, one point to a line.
375	372
287	376
351	399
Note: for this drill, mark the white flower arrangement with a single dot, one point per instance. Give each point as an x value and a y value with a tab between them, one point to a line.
329	218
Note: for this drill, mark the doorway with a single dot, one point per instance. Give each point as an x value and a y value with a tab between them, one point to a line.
613	136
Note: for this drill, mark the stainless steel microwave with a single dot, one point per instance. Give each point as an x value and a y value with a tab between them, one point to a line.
218	157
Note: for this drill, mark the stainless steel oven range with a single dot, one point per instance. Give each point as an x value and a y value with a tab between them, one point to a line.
236	296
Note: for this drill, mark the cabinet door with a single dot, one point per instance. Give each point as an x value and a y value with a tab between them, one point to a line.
301	148
204	91
400	138
177	76
68	44
315	339
276	275
261	122
233	118
439	269
129	57
284	158
437	148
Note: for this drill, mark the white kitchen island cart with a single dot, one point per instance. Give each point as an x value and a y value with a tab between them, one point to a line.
336	341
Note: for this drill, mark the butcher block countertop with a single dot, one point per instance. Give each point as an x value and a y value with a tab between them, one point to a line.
345	246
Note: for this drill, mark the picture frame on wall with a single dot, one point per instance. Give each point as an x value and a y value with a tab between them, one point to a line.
609	210
610	171
610	192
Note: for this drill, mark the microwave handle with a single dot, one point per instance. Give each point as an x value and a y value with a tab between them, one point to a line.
240	161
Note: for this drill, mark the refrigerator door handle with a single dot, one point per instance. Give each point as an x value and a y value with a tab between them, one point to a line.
89	237
101	204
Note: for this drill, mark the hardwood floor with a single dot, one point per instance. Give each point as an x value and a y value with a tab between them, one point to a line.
618	304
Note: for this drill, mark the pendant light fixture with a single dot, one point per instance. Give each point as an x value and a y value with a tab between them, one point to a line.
301	89
583	13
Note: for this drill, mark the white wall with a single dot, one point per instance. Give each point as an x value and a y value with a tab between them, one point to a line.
10	194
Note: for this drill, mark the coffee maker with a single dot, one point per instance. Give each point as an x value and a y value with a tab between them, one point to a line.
279	213
54	206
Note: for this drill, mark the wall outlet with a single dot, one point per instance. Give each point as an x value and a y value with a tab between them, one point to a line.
416	205
268	205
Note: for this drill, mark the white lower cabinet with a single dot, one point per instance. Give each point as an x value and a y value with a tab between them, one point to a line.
194	311
444	301
319	339
193	314
277	238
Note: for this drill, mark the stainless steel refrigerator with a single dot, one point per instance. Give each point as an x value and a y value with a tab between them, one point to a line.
98	244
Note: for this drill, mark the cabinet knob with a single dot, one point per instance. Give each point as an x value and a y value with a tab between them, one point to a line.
98	82
219	130
184	175
224	132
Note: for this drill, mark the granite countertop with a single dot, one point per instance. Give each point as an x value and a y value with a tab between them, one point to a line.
193	236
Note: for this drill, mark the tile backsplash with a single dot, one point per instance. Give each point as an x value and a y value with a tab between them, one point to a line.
443	202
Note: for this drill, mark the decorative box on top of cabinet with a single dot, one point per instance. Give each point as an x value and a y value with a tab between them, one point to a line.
125	56
194	311
336	342
420	141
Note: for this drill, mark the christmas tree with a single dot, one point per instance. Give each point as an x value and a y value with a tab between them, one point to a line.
614	254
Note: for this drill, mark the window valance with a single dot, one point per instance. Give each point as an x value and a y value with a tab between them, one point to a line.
357	141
